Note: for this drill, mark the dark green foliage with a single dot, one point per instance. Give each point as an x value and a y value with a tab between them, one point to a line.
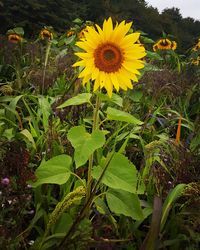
32	15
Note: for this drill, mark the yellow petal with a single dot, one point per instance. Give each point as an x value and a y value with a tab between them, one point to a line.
121	80
102	78
93	37
101	34
107	28
108	85
86	71
83	55
85	45
136	55
132	65
86	79
120	31
95	73
135	48
128	74
79	63
125	82
114	80
96	84
129	40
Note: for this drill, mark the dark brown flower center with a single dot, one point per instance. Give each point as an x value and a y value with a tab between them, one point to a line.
108	57
164	43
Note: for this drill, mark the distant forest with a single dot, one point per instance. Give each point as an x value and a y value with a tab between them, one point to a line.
32	15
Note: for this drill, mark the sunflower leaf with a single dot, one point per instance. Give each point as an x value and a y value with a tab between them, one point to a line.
77	100
120	174
54	171
122	202
118	115
84	143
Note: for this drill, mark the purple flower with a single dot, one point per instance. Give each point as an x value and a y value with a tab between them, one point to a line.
5	181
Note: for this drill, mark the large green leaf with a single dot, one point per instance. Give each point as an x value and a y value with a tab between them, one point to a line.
122	202
53	171
118	115
120	174
77	100
84	143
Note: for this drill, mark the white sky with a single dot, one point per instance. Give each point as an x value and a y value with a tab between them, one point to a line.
188	8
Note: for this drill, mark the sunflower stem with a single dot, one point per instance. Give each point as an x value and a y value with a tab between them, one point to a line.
45	64
91	158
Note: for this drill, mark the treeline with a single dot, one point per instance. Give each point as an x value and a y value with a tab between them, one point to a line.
32	15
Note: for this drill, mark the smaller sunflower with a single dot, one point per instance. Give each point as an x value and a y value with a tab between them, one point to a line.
71	33
196	47
14	38
196	61
164	44
46	34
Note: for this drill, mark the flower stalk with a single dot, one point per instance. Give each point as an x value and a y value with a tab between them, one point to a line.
45	63
94	127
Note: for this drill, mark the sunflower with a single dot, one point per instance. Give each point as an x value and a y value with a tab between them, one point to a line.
196	47
111	57
46	34
164	44
71	33
196	61
14	38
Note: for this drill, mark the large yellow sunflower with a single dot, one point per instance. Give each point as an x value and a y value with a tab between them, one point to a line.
111	57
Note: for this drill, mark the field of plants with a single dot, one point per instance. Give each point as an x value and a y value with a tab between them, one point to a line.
99	140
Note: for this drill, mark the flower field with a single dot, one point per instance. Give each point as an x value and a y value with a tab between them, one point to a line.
99	139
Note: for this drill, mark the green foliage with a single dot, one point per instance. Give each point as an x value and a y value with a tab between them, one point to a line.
77	100
84	143
60	15
122	202
120	174
54	171
172	197
118	115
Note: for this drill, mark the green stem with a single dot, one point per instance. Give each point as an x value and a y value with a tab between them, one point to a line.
45	64
89	177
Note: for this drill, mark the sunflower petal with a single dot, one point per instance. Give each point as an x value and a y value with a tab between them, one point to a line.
108	86
129	40
107	28
86	79
114	80
95	73
96	84
79	63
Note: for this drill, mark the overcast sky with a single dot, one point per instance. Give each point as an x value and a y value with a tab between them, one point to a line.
187	8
